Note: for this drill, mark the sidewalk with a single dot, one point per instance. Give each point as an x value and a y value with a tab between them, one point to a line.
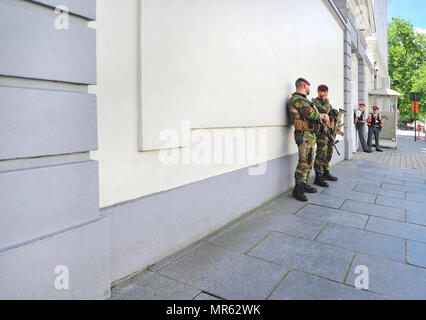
409	154
374	216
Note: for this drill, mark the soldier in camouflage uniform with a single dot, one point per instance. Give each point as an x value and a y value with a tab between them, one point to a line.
324	148
304	117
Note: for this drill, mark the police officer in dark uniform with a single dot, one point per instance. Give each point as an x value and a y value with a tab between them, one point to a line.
374	121
359	120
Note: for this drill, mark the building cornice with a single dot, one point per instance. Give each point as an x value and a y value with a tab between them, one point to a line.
356	27
374	45
337	14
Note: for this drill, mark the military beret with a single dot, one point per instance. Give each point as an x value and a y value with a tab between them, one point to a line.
304	80
376	108
322	88
362	104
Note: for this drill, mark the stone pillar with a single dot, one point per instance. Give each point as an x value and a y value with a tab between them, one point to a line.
54	244
362	85
348	94
362	81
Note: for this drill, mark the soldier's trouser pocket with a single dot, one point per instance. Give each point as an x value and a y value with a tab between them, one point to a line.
305	144
298	137
306	150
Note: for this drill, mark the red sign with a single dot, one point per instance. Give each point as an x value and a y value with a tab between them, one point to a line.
415	107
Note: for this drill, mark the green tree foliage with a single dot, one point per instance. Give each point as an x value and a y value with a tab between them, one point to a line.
407	64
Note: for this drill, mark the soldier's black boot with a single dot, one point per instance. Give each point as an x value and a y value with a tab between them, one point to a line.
320	181
310	189
329	177
299	192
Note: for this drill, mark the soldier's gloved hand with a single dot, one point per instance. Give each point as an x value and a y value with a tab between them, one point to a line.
324	117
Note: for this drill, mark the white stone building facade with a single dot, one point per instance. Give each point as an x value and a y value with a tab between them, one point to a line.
148	124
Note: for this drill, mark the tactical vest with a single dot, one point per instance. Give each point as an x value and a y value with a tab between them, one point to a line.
332	119
361	118
322	105
374	122
296	119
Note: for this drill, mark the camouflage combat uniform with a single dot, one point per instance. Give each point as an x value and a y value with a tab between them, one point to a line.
305	139
324	149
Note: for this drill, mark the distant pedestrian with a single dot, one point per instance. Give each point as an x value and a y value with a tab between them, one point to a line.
374	121
359	120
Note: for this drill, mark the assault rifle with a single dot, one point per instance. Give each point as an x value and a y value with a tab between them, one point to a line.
329	134
336	120
336	123
336	126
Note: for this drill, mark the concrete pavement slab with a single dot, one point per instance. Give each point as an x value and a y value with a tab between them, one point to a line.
416	197
403	204
301	286
364	188
392	279
397	229
418	178
351	195
374	210
396	175
359	177
416	217
284	204
404	175
364	241
416	184
416	253
355	182
166	261
415	172
243	236
206	297
335	216
324	200
403	188
305	255
341	185
226	274
152	286
364	172
398	182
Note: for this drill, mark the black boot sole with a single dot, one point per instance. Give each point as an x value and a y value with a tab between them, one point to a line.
328	179
324	185
302	198
311	191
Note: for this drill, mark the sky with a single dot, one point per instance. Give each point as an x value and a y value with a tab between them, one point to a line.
412	10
